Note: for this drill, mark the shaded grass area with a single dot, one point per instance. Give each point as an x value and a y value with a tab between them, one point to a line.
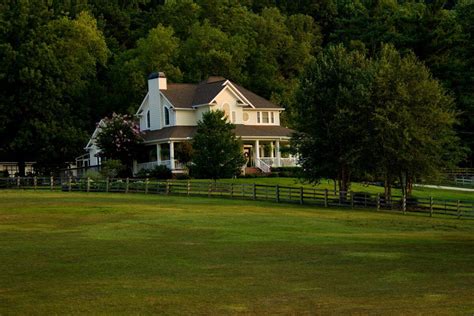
419	192
116	253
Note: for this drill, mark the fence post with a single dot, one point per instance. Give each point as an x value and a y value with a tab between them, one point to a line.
51	182
18	182
458	208
146	186
167	187
431	206
378	201
88	186
352	199
254	192
365	199
107	183
277	193
188	188
404	204
326	198
127	185
209	189
232	190
35	182
301	195
69	184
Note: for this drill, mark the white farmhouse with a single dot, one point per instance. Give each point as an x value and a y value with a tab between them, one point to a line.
170	112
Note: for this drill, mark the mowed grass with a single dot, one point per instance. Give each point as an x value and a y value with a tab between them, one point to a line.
419	192
71	253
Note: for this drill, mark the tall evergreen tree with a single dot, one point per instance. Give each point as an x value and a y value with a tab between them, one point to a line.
217	151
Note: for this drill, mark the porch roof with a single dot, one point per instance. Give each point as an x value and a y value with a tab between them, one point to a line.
244	131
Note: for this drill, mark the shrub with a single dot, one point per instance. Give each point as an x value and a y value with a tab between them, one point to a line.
183	176
159	172
111	168
93	175
288	172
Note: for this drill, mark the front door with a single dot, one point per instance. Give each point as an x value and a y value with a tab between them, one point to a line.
248	153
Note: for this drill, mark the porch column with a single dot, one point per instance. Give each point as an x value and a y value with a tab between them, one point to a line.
172	155
272	150
278	154
257	153
158	153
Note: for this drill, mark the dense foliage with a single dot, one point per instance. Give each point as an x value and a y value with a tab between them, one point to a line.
384	116
217	151
66	64
119	138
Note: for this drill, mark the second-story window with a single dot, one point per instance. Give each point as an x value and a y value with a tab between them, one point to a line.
265	117
148	119
167	116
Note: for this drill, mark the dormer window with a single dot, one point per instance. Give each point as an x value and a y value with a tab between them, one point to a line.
148	119
167	116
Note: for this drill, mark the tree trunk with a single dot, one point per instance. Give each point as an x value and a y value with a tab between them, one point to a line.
387	188
344	181
403	183
409	185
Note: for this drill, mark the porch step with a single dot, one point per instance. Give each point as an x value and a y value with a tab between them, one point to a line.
252	170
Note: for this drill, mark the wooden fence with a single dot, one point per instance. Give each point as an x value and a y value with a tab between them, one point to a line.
279	194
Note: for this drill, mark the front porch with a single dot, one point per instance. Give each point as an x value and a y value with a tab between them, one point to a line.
263	154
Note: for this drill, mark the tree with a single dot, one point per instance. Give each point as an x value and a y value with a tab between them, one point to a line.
412	121
46	62
184	152
217	151
119	138
157	51
331	115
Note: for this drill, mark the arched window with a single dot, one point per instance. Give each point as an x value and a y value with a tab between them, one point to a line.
167	116
148	119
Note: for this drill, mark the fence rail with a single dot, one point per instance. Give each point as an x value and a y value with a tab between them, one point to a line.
279	194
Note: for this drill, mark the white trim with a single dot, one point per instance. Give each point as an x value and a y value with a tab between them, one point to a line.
139	113
94	134
265	109
236	92
201	105
229	83
164	96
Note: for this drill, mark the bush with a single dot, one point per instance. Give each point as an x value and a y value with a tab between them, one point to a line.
182	176
111	168
287	172
93	175
159	172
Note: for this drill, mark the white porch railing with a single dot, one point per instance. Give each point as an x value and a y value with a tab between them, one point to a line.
289	162
153	164
284	162
263	166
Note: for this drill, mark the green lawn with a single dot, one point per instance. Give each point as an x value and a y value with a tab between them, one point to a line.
356	187
70	253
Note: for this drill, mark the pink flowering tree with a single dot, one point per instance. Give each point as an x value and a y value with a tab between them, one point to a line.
119	138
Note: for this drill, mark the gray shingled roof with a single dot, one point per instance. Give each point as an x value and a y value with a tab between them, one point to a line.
181	132
185	95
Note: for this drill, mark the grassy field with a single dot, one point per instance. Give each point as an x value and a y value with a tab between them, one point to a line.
356	187
136	254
